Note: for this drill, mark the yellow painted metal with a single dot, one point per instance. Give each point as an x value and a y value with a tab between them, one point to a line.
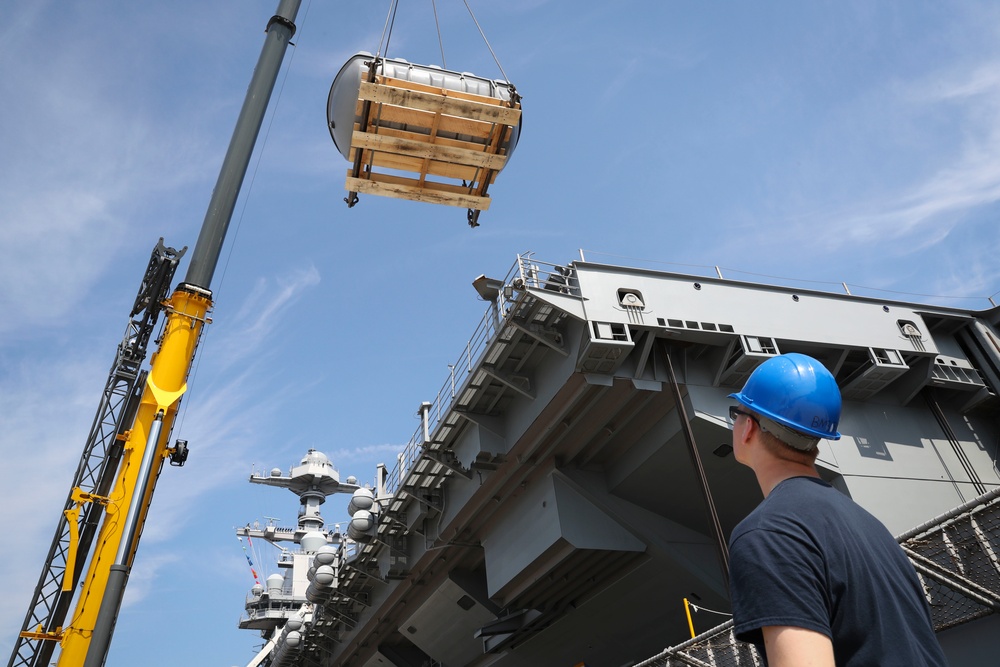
41	635
687	610
73	522
165	384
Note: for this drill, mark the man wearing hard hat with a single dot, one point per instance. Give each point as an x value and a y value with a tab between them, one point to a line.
815	579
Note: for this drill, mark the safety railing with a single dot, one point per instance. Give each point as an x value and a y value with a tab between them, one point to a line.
955	555
526	273
347	551
716	648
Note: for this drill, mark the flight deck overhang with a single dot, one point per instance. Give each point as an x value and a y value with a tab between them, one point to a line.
551	481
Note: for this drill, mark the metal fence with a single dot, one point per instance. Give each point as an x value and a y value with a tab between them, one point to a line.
955	555
527	272
715	648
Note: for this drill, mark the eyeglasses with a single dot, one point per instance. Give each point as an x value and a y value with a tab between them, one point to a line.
735	412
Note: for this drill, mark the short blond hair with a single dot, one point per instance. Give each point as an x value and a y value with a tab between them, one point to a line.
781	449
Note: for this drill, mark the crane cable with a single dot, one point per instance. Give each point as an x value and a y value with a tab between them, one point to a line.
203	342
495	59
437	25
390	21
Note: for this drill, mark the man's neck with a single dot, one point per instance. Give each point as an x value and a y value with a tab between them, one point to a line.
775	471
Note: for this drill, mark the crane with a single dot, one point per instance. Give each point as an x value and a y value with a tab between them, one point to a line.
98	532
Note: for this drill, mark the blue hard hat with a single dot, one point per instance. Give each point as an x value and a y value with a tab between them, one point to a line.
796	391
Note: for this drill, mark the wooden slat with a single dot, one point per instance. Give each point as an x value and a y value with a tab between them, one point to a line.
426	163
438	140
456	171
486	179
416	119
403	180
438	90
413	164
406	188
385	114
438	103
412	148
482	123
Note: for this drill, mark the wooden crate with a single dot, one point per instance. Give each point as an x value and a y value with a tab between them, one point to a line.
429	144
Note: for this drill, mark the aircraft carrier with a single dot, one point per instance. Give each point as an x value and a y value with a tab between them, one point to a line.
567	497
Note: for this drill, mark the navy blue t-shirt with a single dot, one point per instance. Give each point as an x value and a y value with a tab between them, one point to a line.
810	557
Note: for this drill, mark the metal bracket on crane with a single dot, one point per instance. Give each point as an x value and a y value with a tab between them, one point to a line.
40	635
79	497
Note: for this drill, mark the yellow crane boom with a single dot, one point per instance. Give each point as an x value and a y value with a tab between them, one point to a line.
109	500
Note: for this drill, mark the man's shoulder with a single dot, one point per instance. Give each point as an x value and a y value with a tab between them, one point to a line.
791	506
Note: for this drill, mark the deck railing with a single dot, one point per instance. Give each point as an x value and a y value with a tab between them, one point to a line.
955	557
527	272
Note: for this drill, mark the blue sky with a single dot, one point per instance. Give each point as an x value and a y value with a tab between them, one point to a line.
829	142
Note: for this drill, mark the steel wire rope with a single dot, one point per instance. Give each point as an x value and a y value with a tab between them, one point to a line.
698	608
390	22
182	411
437	24
495	59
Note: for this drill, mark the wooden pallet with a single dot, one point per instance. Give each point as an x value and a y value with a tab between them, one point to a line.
416	131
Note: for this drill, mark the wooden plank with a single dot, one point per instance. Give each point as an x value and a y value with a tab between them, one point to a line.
401	188
411	148
413	164
438	140
438	90
426	164
437	103
439	169
486	179
404	180
413	119
431	185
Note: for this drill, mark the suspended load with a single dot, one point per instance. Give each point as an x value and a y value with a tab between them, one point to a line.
421	132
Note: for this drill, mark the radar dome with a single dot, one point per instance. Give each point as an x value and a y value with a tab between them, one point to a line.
326	554
363	499
324	575
361	525
312	541
313	456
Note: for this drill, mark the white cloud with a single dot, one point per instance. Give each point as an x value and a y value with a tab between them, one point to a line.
43	427
222	421
142	580
244	332
909	218
45	420
387	451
